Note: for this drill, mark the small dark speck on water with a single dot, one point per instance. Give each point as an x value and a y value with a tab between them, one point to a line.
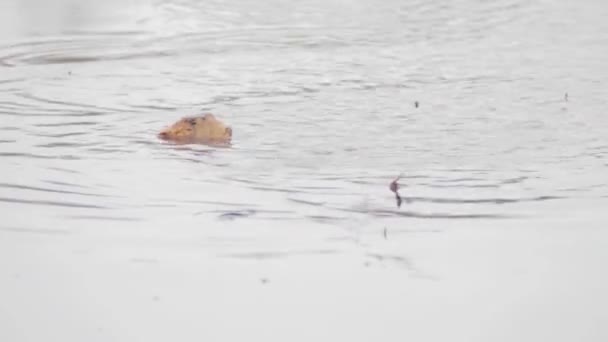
566	97
385	233
416	104
264	280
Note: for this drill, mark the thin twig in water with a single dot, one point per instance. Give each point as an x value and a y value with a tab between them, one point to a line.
395	188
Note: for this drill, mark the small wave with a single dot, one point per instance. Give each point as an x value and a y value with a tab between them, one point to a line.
65	144
52	203
413	214
57	191
38	231
66	106
47	113
325	218
279	254
37	156
395	258
481	200
232	215
66	124
75	50
313	203
105	218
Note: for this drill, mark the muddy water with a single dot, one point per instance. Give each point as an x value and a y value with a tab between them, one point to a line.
493	113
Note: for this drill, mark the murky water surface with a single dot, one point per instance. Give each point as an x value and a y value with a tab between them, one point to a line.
504	164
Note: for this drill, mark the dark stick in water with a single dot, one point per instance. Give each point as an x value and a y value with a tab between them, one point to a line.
395	188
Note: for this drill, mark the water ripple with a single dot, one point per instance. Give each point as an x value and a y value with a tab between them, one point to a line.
35	188
278	254
38	156
481	200
76	49
37	231
324	126
435	215
52	203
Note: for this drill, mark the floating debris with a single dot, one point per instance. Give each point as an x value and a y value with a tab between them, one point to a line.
566	97
416	104
394	186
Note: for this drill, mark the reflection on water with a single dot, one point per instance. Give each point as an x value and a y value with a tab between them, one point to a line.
329	101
